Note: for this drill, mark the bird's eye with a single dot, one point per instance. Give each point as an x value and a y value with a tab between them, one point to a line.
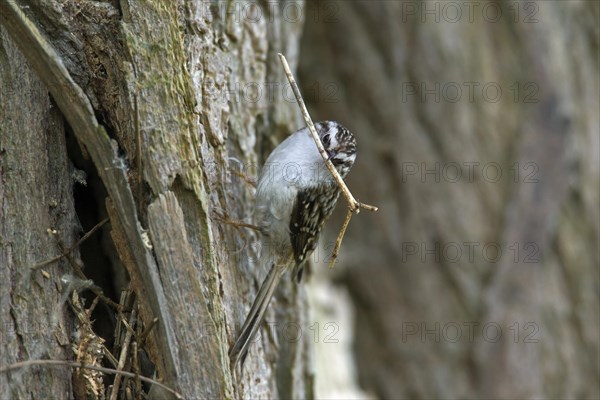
326	140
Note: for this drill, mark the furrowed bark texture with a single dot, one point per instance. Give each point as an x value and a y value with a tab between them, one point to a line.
185	99
439	313
36	195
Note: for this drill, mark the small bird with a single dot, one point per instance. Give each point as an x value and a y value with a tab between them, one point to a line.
295	194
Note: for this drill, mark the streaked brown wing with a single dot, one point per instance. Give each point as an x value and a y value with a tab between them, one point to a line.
311	208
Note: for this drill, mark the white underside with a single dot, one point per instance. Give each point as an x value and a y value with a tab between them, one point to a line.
294	164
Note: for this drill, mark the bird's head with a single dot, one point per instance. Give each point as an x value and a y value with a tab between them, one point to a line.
339	143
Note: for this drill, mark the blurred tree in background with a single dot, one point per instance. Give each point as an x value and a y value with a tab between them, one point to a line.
479	138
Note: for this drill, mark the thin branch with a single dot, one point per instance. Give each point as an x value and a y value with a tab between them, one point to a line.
136	370
242	224
70	249
66	252
354	205
243	177
96	290
338	243
74	364
224	218
109	356
367	206
146	332
123	356
92	307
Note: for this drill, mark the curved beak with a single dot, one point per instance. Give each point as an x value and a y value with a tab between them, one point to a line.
330	154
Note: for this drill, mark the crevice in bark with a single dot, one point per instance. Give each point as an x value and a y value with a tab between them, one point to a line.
97	253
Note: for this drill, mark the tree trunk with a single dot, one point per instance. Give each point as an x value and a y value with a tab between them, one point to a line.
478	138
168	107
36	194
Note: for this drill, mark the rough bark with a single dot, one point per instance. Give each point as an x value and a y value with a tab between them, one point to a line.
159	97
36	196
424	270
